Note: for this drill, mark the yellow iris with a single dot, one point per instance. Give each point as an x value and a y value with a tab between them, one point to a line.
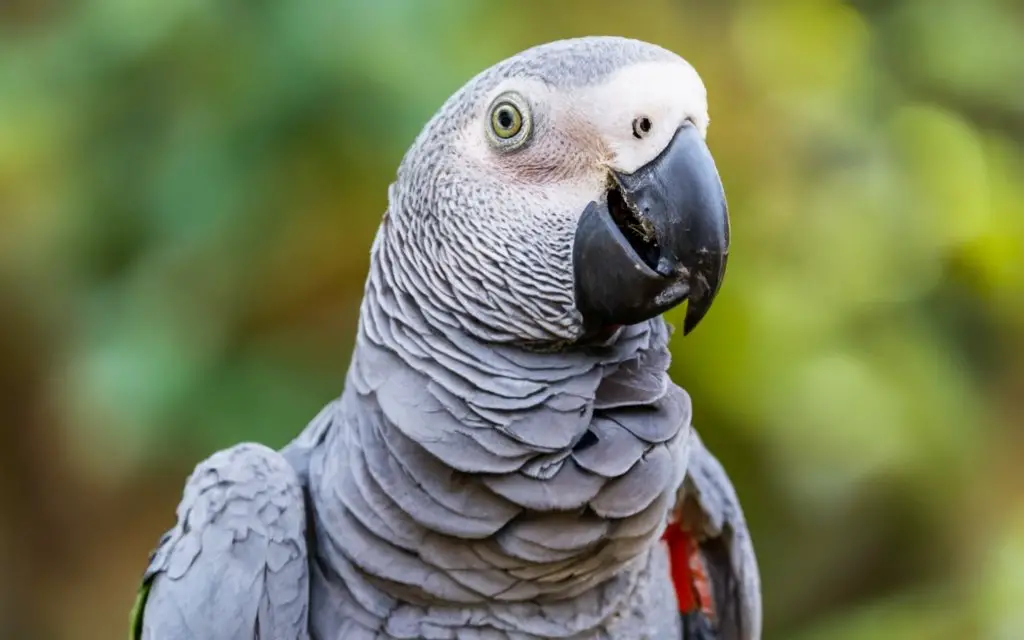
506	120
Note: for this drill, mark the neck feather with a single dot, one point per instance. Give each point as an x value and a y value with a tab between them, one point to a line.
463	475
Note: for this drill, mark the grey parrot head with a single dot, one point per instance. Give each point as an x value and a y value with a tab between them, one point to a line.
563	193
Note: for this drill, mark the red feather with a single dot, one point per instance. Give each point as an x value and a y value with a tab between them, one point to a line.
693	587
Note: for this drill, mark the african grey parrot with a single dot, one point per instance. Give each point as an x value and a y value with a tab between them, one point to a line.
508	458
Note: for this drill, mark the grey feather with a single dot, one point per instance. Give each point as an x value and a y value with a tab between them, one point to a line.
234	566
613	452
632	493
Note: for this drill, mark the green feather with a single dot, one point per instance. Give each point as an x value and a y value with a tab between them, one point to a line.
135	630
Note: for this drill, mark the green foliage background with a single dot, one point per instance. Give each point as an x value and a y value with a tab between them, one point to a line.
188	191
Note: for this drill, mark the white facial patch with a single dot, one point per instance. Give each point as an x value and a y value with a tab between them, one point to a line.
666	93
593	126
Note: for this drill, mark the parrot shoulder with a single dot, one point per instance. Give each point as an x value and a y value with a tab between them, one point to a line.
235	563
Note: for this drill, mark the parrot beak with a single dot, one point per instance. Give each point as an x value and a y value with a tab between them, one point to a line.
660	237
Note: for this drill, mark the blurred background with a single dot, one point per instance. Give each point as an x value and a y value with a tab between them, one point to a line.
188	191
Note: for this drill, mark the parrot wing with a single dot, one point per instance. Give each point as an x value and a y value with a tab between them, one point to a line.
234	566
714	568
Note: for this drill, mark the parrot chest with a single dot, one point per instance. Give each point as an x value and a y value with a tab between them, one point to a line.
348	610
376	573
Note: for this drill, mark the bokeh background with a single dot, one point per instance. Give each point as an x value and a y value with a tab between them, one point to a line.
188	191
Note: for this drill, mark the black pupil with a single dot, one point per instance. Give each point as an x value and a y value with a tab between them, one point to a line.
645	125
505	118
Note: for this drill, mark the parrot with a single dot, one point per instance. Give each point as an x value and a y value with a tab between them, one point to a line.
508	457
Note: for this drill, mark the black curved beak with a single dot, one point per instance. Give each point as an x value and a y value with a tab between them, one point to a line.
660	237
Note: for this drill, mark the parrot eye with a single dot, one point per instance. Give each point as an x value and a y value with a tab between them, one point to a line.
641	127
507	121
510	121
